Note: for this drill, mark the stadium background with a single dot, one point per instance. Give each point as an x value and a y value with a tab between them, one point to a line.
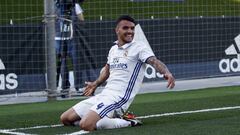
191	36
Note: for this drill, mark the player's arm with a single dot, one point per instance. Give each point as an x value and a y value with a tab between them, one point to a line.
162	68
92	86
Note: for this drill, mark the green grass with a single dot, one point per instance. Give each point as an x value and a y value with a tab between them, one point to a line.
208	123
110	9
20	10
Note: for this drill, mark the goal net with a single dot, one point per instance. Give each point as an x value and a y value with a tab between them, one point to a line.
194	38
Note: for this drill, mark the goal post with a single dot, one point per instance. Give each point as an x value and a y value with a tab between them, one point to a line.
49	20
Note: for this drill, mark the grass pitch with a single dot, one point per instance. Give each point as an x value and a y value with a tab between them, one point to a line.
222	122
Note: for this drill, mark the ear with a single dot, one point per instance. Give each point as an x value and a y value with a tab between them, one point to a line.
116	30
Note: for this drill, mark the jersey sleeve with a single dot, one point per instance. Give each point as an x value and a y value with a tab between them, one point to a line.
145	52
108	60
109	55
78	9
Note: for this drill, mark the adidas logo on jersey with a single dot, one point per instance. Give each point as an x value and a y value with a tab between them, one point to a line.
7	81
228	65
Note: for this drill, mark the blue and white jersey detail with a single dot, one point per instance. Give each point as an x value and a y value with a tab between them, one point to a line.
127	67
127	94
118	65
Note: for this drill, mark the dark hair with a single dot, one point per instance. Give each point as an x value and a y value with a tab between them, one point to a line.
127	18
79	1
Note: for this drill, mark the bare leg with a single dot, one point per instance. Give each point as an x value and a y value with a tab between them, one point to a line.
69	117
89	121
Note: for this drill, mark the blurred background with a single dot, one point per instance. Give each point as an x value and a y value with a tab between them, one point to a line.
48	49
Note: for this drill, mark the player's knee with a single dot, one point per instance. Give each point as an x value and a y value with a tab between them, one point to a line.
87	126
64	119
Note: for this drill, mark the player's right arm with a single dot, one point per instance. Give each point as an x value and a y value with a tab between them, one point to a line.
92	86
162	68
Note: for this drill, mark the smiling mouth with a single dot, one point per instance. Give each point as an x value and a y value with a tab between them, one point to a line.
129	35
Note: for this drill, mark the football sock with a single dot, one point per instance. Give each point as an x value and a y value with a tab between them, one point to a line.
110	123
76	123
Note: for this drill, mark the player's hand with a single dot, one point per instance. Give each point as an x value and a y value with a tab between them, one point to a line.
171	80
90	88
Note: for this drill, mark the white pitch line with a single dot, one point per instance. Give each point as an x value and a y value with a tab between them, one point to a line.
13	133
189	112
35	127
81	132
10	131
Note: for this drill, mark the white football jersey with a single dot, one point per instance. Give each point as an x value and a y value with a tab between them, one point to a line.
127	68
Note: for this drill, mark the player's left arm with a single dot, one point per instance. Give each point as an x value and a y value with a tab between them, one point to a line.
162	68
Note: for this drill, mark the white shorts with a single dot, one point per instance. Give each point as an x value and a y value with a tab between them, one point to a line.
102	104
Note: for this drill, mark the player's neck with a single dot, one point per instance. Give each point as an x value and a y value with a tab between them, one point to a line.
120	43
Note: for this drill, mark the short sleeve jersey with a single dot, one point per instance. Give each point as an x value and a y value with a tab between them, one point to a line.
127	68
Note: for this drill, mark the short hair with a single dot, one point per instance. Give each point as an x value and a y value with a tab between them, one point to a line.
80	1
127	18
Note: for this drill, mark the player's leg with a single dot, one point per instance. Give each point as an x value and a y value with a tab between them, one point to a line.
93	121
70	117
119	121
105	105
89	111
73	115
89	121
111	123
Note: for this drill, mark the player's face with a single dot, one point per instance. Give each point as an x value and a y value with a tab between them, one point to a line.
125	31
